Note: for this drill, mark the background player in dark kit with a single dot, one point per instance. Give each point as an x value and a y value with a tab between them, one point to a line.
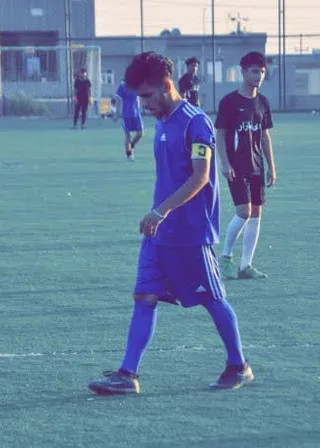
189	83
244	143
82	97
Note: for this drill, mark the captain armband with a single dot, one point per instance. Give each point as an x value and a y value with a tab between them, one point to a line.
200	151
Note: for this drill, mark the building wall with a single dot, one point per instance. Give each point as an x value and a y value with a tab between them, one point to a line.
43	22
16	15
38	73
47	15
301	92
83	18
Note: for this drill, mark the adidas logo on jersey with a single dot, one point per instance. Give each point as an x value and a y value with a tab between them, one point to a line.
163	138
201	289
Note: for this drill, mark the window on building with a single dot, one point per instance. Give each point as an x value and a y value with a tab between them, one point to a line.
301	82
181	67
307	81
272	68
314	80
30	64
26	56
217	72
234	74
108	77
36	12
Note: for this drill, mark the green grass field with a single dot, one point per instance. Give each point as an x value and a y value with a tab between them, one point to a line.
70	207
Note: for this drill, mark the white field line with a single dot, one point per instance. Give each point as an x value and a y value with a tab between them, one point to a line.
181	348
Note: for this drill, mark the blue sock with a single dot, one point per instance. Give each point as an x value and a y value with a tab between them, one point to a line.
141	330
226	322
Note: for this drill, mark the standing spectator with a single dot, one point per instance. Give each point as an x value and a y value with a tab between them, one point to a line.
82	97
189	83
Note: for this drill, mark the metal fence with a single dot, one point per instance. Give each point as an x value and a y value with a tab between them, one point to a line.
39	80
293	38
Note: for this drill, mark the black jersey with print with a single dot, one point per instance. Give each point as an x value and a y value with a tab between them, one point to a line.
190	86
244	119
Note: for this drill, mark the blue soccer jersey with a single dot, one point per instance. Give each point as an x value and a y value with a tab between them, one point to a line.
130	101
197	221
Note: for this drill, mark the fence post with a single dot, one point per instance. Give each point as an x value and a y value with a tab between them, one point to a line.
213	45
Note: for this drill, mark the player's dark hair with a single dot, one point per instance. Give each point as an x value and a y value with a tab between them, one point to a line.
253	58
192	60
83	70
150	68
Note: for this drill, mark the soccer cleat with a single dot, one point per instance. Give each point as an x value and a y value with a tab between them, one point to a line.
227	268
251	273
119	382
130	158
234	377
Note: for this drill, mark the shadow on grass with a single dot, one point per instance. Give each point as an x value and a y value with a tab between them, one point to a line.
10	248
51	401
297	438
37	402
32	292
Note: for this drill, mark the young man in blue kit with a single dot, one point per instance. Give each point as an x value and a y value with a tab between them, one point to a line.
131	116
243	141
176	261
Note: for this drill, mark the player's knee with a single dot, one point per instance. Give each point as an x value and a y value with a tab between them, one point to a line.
243	211
244	215
150	299
256	211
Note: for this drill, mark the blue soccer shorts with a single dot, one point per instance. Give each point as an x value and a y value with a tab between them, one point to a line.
190	274
132	124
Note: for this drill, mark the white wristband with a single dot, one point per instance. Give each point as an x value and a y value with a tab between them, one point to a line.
155	211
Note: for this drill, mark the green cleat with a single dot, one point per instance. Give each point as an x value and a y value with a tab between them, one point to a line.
251	273
227	268
234	377
119	382
131	157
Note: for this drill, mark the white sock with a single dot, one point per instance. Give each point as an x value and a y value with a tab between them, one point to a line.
233	232
250	240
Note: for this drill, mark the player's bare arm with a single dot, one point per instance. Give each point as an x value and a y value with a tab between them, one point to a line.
198	179
75	95
268	153
226	168
118	106
182	90
183	93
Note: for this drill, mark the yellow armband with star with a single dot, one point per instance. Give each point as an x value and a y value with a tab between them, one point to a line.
200	151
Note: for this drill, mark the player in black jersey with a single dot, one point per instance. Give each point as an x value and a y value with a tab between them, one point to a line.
244	143
189	83
82	97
